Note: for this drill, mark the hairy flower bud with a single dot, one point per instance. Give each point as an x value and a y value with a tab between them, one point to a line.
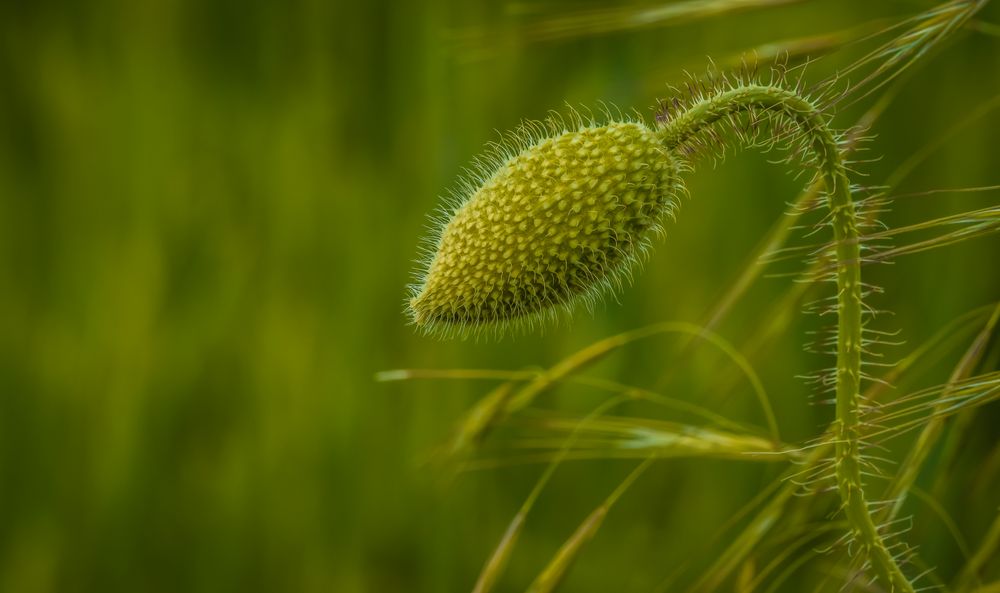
562	219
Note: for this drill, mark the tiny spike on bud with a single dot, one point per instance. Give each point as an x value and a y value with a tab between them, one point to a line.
561	220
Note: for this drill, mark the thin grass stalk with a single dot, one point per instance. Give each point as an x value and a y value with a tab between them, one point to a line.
918	453
987	551
556	570
498	560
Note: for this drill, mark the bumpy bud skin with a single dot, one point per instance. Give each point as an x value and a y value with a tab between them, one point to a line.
561	220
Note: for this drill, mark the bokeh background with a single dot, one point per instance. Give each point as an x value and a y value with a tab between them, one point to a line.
208	217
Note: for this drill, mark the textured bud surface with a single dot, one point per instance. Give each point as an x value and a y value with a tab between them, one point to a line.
560	220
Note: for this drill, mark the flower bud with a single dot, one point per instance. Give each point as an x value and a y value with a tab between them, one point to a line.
561	220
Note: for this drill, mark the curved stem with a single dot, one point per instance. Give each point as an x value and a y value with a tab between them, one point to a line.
809	121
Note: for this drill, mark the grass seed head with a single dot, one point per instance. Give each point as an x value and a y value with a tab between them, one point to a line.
560	220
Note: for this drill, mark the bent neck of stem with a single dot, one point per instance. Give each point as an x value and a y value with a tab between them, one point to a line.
694	125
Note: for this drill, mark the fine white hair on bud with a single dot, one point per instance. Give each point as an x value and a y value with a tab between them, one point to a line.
560	219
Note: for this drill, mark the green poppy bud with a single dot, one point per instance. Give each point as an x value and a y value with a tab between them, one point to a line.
560	221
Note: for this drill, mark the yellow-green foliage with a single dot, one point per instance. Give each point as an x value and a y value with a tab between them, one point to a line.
563	218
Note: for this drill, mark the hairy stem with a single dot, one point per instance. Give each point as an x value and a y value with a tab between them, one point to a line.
692	126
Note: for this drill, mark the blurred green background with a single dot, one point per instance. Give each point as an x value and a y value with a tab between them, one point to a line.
208	214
